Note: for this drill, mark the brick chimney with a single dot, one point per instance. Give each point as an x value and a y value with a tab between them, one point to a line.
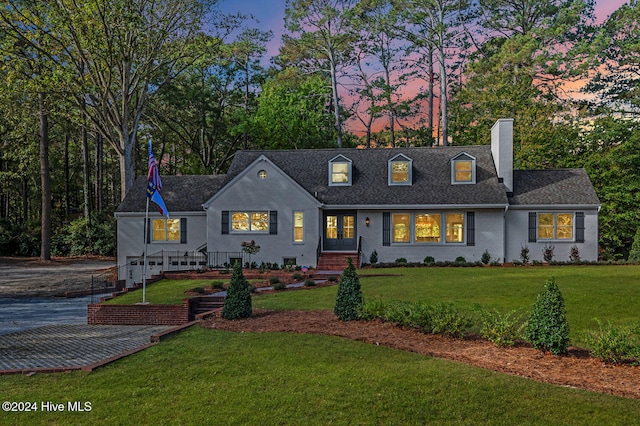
502	150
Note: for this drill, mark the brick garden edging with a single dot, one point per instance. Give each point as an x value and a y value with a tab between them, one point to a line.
139	314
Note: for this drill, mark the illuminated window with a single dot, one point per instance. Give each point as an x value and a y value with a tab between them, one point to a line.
463	169
455	227
555	226
340	171
166	229
400	170
262	174
250	221
401	228
427	228
298	227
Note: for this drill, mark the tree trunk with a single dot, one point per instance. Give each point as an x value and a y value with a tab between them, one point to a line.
67	190
86	181
443	98
431	76
45	180
336	104
99	195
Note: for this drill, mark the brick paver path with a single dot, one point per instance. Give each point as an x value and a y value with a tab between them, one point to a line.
59	347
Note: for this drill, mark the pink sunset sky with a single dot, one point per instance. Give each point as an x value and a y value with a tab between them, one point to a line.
270	14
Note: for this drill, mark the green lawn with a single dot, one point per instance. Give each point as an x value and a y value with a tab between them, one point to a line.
220	378
603	292
213	377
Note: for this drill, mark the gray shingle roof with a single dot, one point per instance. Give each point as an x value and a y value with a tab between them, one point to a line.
553	187
180	193
431	184
431	176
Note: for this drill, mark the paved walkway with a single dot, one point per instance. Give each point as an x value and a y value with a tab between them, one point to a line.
74	347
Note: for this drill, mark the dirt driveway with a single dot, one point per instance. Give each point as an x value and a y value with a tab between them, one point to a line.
31	277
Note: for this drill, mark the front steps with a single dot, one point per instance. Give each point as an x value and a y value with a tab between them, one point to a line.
336	261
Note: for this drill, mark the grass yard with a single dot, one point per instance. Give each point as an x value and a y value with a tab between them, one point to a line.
603	292
204	376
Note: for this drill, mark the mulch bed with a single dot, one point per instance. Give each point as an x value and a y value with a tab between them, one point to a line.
577	369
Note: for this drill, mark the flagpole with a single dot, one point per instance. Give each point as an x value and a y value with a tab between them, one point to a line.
144	268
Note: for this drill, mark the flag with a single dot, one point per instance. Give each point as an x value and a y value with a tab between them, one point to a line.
154	185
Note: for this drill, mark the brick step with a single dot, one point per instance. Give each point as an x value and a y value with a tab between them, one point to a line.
336	261
206	304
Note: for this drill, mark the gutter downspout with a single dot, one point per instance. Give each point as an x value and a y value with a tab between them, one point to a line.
504	234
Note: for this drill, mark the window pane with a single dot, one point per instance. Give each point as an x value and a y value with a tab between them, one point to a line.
298	227
348	226
545	226
463	171
240	221
339	172
332	227
427	228
399	171
455	227
259	221
159	233
173	229
564	225
401	228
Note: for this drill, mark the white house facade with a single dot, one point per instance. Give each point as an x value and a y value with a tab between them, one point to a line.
298	205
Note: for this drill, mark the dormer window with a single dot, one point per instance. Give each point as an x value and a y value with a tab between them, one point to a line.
400	170
340	171
463	169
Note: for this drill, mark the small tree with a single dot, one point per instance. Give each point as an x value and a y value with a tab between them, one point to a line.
547	328
634	254
349	300
237	303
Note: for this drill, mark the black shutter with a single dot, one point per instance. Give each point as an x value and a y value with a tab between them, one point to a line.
273	222
471	228
579	227
533	225
386	229
148	226
183	230
225	222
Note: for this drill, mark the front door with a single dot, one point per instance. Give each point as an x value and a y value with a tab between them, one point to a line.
340	231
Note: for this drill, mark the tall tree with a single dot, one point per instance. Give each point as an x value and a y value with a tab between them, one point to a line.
617	82
120	51
435	26
519	70
292	112
320	40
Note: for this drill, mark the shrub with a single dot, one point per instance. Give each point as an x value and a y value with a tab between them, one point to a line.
274	280
401	260
614	344
574	254
332	279
252	289
547	328
486	257
429	260
547	253
373	259
279	286
297	276
524	254
634	254
501	329
349	299
199	290
447	319
237	303
217	284
309	282
461	259
373	310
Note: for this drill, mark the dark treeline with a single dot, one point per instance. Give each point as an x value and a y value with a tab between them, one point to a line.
85	86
